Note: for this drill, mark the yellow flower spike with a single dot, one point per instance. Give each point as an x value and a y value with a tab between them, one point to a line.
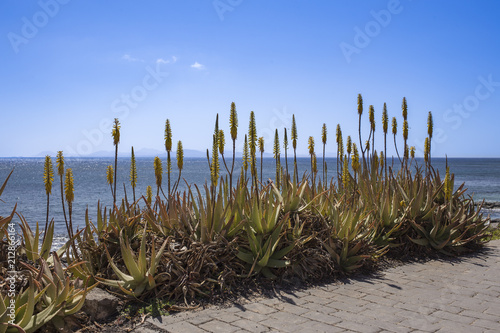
341	147
405	130
394	126
349	145
168	136
360	104
68	186
323	134
180	156
214	165
404	108
345	173
276	151
382	160
149	194
233	122
116	132
412	151
355	158
285	141
426	149
385	119
158	171
294	133
246	157
133	170
276	147
109	174
222	142
310	145
60	163
447	187
314	163
371	116
261	144
430	125
367	145
48	175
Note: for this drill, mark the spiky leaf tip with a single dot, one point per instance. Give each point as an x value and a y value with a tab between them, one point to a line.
233	122
60	163
48	174
168	136
115	133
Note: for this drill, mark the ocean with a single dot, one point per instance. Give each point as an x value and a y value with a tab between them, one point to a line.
26	188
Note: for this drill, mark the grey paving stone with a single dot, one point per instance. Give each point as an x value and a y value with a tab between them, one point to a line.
435	296
250	315
493	325
322	317
259	308
356	327
250	325
295	309
182	326
217	326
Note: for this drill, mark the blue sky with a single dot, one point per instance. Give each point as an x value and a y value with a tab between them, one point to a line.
70	66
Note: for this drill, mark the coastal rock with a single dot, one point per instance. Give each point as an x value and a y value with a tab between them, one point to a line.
100	304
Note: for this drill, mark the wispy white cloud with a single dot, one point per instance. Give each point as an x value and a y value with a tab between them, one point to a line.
166	61
197	65
128	57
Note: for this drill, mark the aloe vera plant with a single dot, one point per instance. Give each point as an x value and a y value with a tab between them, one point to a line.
49	297
141	275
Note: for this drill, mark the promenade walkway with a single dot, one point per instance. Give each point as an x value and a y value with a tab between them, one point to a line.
436	296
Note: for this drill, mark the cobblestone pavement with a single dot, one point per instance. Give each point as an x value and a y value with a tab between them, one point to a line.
436	296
